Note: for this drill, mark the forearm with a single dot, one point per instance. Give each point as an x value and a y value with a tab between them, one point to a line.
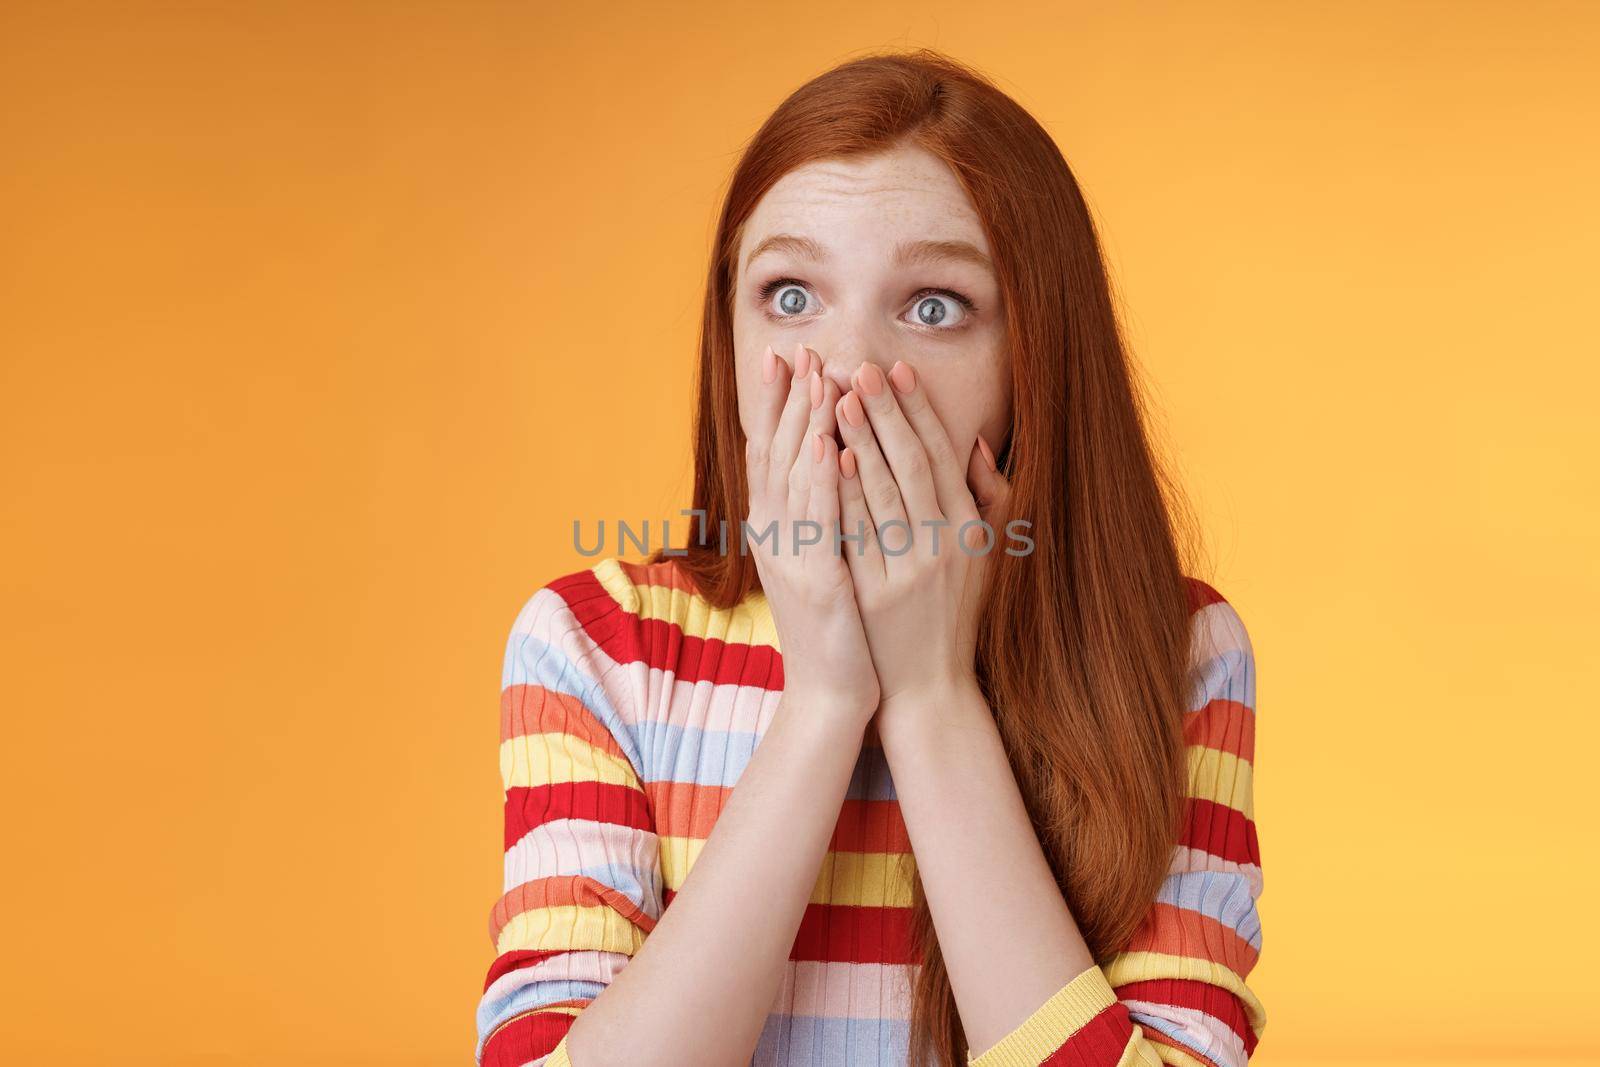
701	985
1008	939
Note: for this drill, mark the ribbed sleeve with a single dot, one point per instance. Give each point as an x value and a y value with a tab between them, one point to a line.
582	884
1177	993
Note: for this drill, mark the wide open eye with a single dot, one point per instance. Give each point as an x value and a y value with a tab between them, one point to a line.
785	298
939	309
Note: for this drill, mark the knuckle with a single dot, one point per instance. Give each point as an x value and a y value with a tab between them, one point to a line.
799	481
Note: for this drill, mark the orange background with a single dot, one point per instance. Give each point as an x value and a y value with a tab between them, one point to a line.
321	322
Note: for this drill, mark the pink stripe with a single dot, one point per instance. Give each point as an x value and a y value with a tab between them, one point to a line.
846	990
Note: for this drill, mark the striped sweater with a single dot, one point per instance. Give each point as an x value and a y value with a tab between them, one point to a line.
629	708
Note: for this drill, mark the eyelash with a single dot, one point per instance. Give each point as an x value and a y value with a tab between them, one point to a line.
767	290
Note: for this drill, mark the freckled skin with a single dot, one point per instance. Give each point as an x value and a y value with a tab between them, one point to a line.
859	305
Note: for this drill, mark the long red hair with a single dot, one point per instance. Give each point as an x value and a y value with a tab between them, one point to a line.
1090	706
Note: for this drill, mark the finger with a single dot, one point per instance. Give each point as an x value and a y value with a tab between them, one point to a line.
863	552
990	491
878	485
764	419
899	444
948	472
989	486
790	434
822	507
821	395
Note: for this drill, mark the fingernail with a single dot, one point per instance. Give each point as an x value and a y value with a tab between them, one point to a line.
816	391
871	379
802	359
854	413
769	365
988	456
816	447
902	376
847	463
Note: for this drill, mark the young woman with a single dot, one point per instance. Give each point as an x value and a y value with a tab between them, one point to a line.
943	793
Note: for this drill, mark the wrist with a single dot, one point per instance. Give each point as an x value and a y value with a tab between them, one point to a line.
935	703
830	707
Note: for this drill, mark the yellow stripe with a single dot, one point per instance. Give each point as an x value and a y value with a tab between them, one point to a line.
537	759
1221	777
570	928
1144	966
558	1055
748	623
864	879
608	572
1033	1040
677	856
860	879
1138	1052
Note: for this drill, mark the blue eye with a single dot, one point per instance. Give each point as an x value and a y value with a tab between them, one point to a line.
792	300
935	309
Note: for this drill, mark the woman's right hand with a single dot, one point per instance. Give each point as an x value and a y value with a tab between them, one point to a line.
792	468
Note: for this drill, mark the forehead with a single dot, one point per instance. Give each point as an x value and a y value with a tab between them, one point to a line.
907	191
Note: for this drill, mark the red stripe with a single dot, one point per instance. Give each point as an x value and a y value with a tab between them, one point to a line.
1200	594
514	961
1100	1041
603	619
1225	725
1200	996
525	1038
628	638
528	807
1222	831
661	645
846	933
700	659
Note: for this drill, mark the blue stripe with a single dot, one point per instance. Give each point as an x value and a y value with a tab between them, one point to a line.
1219	895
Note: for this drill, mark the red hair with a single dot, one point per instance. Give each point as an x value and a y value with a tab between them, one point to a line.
1091	709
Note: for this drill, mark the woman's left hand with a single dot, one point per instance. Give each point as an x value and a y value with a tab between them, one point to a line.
914	497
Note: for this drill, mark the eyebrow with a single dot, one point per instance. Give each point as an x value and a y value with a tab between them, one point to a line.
906	252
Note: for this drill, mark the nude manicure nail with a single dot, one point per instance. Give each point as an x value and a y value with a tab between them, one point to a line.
988	456
816	447
847	461
802	359
769	365
871	379
903	377
816	391
854	413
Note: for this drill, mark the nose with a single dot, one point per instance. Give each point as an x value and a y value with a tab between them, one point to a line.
839	363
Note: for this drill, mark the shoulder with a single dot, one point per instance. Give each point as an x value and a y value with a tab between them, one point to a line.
624	608
584	616
1221	656
592	598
